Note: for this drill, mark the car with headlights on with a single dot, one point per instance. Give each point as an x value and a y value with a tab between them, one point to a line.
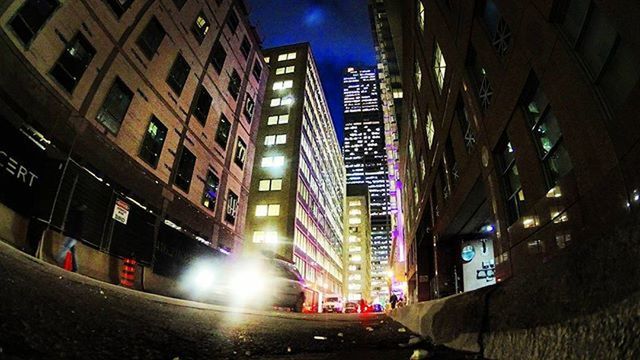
256	282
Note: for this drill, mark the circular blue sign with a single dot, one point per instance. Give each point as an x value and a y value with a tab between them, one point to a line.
468	252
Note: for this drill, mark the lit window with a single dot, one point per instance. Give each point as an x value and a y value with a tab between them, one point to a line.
355	220
429	128
265	185
421	15
283	119
200	27
274	210
276	102
287	101
280	71
289	56
355	248
353	238
282	57
290	69
418	74
265	236
269	140
281	139
439	66
355	212
267	59
262	210
273	161
356	258
355	203
272	120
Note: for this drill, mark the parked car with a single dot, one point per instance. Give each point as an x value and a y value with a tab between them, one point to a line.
377	308
253	282
351	307
332	303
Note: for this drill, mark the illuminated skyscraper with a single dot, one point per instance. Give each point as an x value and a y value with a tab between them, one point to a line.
298	188
366	162
385	25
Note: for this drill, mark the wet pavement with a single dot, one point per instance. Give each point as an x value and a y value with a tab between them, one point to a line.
47	313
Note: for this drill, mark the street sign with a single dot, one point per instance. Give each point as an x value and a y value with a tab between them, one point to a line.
121	211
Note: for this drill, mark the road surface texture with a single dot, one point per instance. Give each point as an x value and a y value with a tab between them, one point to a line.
48	313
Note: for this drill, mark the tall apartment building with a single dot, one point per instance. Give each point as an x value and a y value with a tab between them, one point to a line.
357	245
366	162
142	111
521	143
298	187
387	33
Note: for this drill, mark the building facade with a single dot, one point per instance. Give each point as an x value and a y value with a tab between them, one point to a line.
142	109
366	163
387	32
519	139
357	245
298	187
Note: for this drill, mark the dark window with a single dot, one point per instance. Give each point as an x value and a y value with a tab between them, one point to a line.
185	170
31	17
241	153
200	27
452	163
151	37
608	58
444	183
222	134
218	56
233	21
210	194
119	7
232	208
257	70
115	106
479	74
202	105
234	84
73	62
245	47
179	3
498	29
512	188
178	74
620	75
547	134
574	19
468	132
153	142
249	107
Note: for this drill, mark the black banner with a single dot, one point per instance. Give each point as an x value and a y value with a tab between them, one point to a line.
27	177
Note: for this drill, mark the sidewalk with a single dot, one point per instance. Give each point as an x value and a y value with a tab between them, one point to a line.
586	305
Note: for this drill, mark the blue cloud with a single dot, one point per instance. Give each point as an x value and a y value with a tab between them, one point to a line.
338	30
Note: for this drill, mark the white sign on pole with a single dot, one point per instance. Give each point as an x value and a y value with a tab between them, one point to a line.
121	211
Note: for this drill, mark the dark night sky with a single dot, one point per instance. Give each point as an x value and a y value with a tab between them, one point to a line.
338	30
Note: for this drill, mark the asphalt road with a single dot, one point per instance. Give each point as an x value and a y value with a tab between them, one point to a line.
48	313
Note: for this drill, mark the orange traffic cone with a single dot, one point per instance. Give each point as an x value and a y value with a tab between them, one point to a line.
68	261
128	274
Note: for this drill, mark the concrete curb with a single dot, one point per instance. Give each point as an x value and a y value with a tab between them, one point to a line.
455	321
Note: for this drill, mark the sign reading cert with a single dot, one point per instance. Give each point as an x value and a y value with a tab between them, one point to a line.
121	211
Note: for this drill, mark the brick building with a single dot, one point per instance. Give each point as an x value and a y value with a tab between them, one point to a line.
520	134
144	104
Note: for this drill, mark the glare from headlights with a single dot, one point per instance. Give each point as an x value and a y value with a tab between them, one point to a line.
204	278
